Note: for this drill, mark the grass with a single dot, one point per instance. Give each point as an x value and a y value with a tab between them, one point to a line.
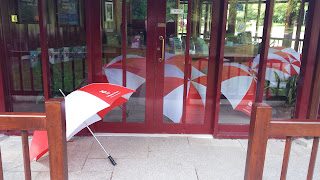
56	79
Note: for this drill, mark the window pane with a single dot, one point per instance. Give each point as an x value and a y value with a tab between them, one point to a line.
239	74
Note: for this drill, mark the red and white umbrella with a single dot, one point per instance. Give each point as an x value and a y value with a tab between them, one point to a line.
238	86
84	104
202	64
83	107
284	61
174	87
135	71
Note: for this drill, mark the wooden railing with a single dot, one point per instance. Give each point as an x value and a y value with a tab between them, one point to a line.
261	127
52	121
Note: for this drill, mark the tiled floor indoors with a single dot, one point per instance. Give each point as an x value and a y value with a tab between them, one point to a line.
147	157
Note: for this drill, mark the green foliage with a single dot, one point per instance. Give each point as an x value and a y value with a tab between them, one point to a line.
280	11
276	91
139	9
289	92
279	15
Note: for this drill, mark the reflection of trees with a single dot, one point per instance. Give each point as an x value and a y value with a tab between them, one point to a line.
232	16
290	19
139	9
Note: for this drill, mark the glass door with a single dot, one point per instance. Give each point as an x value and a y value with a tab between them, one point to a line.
160	49
183	32
125	63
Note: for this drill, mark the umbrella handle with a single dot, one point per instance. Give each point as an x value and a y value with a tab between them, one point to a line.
112	160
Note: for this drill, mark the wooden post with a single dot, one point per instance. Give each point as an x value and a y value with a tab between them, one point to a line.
308	60
26	157
286	156
257	142
56	128
1	170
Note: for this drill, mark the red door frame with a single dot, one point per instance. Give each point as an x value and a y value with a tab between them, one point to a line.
3	92
182	127
95	67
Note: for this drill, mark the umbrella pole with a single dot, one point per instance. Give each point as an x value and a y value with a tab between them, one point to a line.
110	157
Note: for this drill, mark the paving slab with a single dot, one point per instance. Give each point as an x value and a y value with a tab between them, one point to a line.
170	157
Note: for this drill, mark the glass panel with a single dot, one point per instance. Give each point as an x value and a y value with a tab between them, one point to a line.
284	58
111	17
135	63
24	57
239	73
67	46
136	60
199	53
174	61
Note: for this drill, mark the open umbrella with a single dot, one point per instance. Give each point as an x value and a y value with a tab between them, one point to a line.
135	71
174	87
284	61
238	85
83	107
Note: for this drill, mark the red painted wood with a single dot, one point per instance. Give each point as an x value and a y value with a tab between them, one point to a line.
159	69
264	50
2	67
216	53
150	65
309	52
94	41
187	66
124	55
313	109
42	8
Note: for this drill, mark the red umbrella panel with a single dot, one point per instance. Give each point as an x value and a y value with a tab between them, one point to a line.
239	85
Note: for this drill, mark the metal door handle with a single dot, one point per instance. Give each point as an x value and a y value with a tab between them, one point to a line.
162	54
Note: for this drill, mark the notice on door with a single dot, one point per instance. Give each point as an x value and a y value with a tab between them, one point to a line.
176	11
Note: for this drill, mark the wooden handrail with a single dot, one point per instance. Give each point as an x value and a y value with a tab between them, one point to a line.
52	121
23	121
262	127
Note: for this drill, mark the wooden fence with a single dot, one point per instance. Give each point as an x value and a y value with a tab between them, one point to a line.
261	127
52	121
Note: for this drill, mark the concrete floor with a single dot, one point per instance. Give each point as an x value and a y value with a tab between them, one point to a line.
165	157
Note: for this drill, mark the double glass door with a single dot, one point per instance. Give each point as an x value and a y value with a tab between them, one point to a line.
162	53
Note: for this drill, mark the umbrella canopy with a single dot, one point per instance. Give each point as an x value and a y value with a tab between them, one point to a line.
83	107
174	87
135	71
284	61
238	86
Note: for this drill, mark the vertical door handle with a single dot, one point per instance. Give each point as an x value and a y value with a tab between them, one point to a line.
162	53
